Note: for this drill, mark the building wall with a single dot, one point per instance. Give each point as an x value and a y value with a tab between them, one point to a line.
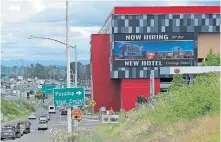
161	23
132	88
207	41
106	92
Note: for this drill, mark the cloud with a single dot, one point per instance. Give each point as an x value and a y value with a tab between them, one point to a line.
46	18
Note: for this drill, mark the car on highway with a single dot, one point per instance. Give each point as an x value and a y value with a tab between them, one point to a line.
51	109
25	126
18	131
42	125
61	108
8	132
63	111
43	117
32	116
19	128
48	116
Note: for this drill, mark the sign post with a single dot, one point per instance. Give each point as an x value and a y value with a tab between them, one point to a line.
152	86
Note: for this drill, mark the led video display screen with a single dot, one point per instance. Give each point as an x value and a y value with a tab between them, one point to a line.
153	50
173	49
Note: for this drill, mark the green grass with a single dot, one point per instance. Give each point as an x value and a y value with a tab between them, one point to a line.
181	104
184	113
12	110
214	137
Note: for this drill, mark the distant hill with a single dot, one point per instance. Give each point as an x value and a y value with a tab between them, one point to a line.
11	63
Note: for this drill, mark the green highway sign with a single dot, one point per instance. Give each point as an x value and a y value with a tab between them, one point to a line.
48	88
63	86
67	97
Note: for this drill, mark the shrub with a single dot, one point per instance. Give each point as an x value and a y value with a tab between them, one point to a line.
180	103
189	101
212	59
38	95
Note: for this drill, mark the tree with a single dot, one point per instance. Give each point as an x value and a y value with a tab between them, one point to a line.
212	59
176	82
38	94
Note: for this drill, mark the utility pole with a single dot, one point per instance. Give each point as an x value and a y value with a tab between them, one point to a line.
76	66
75	82
152	83
69	120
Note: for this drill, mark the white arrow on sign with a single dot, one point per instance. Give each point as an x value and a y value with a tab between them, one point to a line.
78	93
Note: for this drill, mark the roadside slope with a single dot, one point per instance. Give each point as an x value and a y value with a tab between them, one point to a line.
12	110
189	112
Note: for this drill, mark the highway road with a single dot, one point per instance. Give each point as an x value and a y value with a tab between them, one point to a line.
57	121
35	135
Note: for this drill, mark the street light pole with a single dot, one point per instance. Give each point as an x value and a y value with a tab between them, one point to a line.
68	66
76	65
72	73
33	37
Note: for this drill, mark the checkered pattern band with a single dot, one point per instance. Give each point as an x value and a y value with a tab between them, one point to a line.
166	23
158	23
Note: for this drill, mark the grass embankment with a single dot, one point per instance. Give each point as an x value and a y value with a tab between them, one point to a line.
12	110
187	113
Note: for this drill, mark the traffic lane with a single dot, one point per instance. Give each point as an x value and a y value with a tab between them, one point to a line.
57	121
37	135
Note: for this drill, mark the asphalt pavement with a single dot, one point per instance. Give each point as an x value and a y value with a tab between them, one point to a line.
57	121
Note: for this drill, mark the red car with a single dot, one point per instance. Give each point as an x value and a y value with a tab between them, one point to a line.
63	111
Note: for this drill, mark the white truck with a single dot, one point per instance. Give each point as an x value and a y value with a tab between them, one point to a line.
51	109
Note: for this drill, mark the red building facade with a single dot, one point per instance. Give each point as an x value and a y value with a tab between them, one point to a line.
136	40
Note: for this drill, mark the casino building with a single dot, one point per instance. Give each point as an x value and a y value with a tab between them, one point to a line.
136	40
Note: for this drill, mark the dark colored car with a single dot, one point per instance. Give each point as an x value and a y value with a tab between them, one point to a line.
18	131
8	133
63	111
25	126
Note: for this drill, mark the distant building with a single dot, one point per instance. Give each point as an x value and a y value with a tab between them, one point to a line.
130	50
83	71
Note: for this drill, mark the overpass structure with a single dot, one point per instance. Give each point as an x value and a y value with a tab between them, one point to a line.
189	70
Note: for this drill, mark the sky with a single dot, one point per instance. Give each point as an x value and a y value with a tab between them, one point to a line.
46	18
